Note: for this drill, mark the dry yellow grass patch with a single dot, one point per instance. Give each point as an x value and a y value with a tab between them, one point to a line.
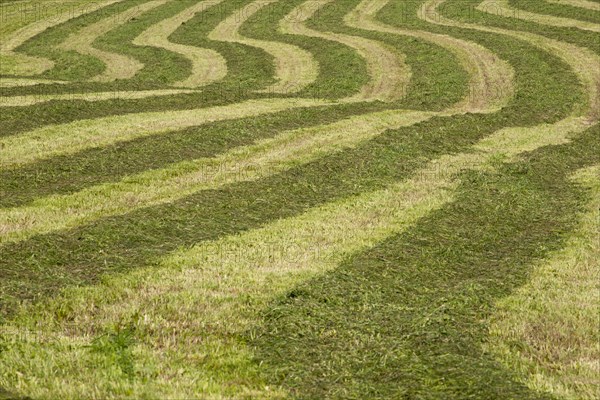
503	8
153	187
295	68
85	134
389	73
207	65
21	64
19	101
554	317
590	5
491	79
118	66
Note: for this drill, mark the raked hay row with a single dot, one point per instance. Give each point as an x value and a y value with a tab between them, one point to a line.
300	199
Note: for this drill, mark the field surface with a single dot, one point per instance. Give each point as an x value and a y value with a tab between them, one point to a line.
300	199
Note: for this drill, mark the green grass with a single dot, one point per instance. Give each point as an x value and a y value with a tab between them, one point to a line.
559	10
392	322
366	271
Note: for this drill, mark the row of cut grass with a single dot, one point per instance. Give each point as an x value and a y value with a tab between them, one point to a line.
372	215
83	254
438	84
548	329
408	318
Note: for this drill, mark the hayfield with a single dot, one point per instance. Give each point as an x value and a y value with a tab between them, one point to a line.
313	199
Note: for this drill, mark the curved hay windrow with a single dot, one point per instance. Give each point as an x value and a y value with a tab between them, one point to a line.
118	66
561	297
295	68
504	9
13	63
579	59
207	65
22	82
75	136
267	157
590	5
221	284
491	79
389	74
28	100
251	267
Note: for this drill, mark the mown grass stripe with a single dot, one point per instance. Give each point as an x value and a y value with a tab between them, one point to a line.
590	5
117	66
295	67
244	281
406	319
207	65
579	59
548	329
264	158
248	268
490	77
439	83
85	134
81	255
388	72
579	12
505	9
249	69
21	64
20	82
69	174
28	100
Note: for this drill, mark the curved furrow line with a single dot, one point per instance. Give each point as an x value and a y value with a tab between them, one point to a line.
28	100
579	59
251	267
491	79
21	64
207	65
118	66
295	67
388	72
590	5
562	296
503	8
265	158
86	134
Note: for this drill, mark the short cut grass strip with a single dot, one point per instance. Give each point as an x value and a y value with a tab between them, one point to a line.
118	66
503	8
491	79
549	328
267	157
28	100
21	64
295	68
590	5
86	134
389	74
207	65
